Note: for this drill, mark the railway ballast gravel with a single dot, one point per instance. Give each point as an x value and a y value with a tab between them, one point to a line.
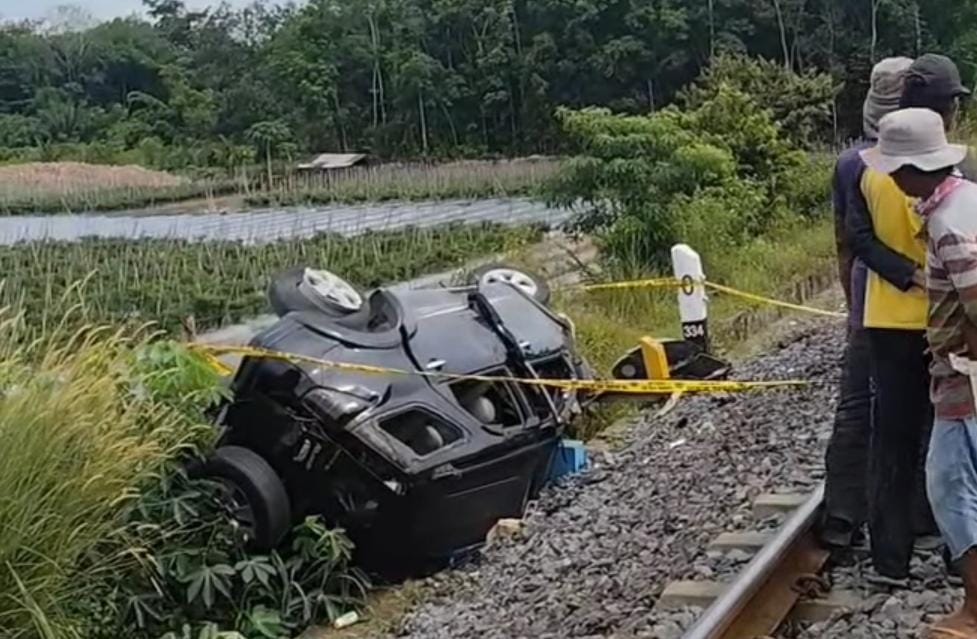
595	552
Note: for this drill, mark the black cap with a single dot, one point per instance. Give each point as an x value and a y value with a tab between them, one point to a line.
935	76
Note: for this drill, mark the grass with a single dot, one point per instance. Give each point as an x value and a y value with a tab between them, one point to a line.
84	441
168	281
66	187
610	323
74	187
455	180
102	535
77	445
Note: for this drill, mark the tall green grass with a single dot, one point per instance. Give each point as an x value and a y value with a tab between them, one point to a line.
610	322
78	442
102	534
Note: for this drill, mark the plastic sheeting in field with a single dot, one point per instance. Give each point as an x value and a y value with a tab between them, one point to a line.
266	225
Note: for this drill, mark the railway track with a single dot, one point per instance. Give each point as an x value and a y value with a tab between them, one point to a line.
783	581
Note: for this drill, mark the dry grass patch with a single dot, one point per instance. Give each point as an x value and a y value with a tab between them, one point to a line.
66	177
76	187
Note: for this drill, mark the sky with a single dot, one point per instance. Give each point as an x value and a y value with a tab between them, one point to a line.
100	9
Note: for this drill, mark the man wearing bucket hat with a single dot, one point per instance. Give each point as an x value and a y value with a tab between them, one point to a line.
888	308
913	149
891	305
847	455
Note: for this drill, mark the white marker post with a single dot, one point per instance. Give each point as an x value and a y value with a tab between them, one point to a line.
692	300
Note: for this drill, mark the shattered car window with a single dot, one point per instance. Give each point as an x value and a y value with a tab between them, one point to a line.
421	432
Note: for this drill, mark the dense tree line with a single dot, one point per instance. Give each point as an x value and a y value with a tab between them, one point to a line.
416	77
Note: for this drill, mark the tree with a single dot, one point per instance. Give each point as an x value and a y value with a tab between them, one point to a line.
439	77
269	137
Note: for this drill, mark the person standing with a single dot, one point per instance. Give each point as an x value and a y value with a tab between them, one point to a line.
933	82
847	455
889	308
894	314
913	149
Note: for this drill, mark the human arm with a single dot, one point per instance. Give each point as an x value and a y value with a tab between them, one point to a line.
892	266
845	258
956	253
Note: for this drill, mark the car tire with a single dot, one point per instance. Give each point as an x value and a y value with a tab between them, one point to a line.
529	282
247	473
287	294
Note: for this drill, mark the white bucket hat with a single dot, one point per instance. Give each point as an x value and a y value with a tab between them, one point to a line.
913	137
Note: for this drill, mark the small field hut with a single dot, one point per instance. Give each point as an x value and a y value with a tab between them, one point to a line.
328	162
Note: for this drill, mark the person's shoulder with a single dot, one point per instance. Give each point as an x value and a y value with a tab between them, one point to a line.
957	213
969	165
850	164
966	194
853	154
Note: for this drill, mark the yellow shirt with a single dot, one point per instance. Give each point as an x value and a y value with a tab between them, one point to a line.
898	226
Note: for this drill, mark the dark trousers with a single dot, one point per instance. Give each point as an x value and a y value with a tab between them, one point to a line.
902	418
846	461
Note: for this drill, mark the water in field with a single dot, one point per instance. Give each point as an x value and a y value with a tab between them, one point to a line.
265	225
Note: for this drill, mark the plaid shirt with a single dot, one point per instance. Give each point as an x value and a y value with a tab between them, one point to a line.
951	224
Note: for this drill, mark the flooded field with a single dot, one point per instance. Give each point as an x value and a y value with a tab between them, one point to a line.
266	225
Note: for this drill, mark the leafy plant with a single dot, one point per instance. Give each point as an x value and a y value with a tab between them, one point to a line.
714	176
195	572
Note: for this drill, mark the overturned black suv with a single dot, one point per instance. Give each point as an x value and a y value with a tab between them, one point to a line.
414	467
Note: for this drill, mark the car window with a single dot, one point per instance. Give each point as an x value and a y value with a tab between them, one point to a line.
491	403
421	432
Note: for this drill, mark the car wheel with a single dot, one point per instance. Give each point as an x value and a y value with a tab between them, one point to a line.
253	495
308	289
528	282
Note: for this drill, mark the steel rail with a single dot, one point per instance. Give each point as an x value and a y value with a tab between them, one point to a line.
763	594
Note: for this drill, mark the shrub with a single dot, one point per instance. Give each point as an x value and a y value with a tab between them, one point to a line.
715	175
193	576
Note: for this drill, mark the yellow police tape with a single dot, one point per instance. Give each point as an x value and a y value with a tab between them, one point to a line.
622	387
662	282
772	302
670	282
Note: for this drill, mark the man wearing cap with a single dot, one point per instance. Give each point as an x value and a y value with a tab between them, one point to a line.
933	82
913	149
891	305
847	455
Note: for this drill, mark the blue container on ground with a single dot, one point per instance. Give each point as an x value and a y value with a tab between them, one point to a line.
570	458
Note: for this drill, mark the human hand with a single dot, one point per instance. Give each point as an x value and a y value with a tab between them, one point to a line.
919	278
